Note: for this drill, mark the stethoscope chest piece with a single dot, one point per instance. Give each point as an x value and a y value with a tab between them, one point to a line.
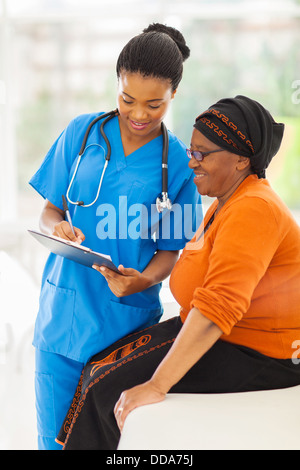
163	203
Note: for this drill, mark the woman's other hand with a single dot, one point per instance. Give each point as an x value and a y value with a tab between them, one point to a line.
144	394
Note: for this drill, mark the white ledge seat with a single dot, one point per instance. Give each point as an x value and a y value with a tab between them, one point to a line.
263	420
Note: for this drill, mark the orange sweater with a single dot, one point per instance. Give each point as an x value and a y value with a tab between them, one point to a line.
244	273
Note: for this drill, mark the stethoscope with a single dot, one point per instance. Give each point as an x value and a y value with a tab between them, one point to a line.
162	202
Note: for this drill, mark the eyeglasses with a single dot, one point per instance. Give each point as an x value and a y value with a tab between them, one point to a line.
199	156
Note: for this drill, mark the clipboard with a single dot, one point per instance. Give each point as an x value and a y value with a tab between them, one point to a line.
73	251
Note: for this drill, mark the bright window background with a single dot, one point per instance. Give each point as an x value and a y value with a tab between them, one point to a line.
57	60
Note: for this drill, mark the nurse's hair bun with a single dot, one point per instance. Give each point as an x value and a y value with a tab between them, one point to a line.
159	51
174	34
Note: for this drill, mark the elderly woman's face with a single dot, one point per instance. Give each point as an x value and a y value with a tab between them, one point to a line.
217	173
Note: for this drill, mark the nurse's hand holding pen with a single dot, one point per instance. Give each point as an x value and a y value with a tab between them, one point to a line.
52	222
64	230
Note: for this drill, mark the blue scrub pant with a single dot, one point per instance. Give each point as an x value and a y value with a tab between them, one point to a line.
56	380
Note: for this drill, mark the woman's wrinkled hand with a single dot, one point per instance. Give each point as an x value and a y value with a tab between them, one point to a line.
144	394
129	282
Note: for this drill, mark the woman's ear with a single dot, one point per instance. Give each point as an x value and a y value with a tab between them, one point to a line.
243	163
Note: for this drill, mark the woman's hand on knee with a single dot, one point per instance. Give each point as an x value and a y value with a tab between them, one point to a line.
143	394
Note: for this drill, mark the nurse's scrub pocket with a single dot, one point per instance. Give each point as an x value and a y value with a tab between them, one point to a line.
53	326
122	319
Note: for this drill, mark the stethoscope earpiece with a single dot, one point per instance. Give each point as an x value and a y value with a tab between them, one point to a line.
161	203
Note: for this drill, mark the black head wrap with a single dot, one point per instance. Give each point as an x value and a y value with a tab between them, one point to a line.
244	127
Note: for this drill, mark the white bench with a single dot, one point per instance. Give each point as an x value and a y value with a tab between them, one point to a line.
264	420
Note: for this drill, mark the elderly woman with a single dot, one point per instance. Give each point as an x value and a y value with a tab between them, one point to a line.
237	283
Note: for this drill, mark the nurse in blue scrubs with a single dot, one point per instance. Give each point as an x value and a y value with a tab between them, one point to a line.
82	311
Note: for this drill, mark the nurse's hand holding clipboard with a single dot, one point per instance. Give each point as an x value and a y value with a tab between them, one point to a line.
132	281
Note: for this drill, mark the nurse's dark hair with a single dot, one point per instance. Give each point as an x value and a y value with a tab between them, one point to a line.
158	52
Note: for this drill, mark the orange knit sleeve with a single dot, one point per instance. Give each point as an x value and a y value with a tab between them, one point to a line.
244	245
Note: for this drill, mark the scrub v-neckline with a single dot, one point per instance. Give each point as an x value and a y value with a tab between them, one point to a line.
124	160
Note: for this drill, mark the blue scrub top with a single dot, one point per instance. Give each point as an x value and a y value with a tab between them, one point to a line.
78	314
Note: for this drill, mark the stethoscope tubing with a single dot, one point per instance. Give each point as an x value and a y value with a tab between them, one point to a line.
160	203
106	117
165	159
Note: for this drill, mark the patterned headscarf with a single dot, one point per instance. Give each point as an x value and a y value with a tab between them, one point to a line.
244	127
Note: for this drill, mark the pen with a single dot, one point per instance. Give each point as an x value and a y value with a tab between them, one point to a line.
67	213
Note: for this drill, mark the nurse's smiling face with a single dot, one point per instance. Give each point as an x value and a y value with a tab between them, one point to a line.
142	103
